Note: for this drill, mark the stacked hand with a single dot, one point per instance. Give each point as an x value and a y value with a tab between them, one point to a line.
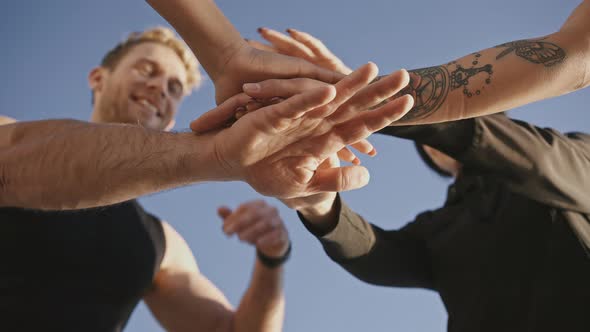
278	149
301	45
259	224
247	64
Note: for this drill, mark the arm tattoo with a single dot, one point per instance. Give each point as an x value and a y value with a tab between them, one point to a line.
535	51
430	86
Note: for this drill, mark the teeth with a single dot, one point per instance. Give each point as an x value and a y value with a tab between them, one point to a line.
148	105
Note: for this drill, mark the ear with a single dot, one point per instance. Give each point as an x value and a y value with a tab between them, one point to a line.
170	125
96	78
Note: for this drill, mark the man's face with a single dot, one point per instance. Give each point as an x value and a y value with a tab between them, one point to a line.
145	88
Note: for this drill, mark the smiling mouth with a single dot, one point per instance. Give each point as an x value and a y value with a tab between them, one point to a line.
147	106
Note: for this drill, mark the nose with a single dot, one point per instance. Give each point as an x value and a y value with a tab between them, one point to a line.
158	84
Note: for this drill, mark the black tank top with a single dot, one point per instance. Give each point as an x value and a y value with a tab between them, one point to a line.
82	270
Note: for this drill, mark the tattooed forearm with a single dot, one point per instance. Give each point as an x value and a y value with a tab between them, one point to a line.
535	51
460	76
430	86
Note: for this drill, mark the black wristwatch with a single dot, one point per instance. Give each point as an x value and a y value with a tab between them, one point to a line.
272	262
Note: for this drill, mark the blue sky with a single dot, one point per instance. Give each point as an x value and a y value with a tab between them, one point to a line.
48	47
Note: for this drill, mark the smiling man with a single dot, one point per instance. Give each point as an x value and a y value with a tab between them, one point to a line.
143	80
86	269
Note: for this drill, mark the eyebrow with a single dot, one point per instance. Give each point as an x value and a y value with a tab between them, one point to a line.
155	63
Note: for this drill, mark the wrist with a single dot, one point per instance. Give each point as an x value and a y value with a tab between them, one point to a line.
273	262
227	56
322	217
203	161
319	210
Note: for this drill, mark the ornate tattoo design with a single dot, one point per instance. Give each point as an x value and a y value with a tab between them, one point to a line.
460	76
535	51
429	88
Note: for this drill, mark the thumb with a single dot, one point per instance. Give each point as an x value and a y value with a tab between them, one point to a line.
218	117
223	212
340	179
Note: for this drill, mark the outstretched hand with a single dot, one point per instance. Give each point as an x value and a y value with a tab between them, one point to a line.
247	64
278	149
301	45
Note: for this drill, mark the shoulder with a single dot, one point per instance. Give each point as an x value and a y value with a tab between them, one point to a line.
178	257
6	120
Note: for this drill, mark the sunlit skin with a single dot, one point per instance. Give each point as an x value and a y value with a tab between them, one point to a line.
443	161
146	88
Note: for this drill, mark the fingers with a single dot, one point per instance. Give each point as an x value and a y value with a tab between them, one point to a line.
319	50
244	215
362	146
280	87
219	117
356	129
345	89
259	224
339	179
278	117
313	44
372	95
366	123
223	212
365	147
386	87
346	155
285	44
261	46
304	68
348	87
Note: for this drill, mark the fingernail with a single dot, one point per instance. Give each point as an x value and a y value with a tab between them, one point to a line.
275	100
251	87
290	30
259	30
240	109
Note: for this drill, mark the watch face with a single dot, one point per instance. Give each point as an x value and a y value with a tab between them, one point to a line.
429	88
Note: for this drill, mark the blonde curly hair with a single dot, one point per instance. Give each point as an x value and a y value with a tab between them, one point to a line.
160	35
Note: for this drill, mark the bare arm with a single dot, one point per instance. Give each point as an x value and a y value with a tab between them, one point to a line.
484	82
6	120
66	164
205	29
227	58
503	77
184	300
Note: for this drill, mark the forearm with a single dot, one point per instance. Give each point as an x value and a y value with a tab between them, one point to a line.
497	79
393	258
505	76
262	309
205	29
65	164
